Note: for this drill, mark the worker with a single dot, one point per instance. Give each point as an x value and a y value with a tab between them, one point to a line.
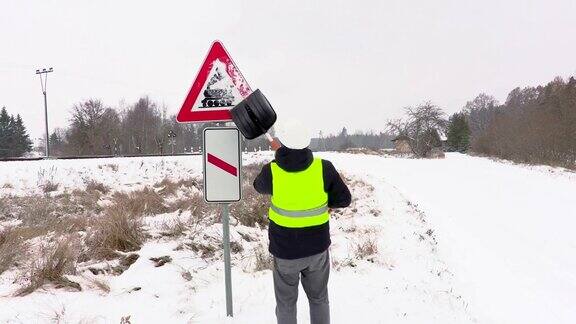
302	190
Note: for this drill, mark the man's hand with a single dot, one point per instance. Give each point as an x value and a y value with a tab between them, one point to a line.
275	144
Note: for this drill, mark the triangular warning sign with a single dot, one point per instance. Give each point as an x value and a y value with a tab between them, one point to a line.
218	87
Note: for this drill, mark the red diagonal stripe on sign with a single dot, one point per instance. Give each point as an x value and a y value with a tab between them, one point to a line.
223	165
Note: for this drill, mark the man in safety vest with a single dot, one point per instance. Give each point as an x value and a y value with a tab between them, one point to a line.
303	188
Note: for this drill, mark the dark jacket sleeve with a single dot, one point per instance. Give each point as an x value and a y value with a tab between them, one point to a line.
263	182
338	193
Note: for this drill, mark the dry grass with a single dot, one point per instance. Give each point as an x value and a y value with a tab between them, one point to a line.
252	209
117	230
140	202
86	200
49	186
367	247
262	259
180	226
93	185
169	187
98	283
54	262
195	204
12	249
41	215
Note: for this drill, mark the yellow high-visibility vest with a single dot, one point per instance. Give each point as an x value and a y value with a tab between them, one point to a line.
298	198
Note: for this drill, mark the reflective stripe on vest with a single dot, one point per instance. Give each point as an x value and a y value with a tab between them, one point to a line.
298	198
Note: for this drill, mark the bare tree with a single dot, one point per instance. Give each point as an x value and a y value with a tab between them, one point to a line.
423	125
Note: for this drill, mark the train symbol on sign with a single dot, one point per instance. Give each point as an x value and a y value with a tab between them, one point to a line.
217	96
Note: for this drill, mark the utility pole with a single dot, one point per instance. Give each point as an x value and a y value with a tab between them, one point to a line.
43	84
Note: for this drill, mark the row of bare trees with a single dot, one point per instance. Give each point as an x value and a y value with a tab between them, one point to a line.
535	124
141	128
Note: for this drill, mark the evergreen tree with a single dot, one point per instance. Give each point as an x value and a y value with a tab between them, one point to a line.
5	133
22	143
458	133
14	140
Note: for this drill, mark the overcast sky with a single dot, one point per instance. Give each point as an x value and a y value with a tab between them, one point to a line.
333	63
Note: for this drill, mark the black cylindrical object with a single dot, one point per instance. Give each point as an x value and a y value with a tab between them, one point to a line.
254	115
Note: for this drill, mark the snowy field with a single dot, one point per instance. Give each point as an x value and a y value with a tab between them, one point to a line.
458	240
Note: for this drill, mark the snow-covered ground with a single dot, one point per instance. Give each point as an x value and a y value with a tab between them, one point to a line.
460	240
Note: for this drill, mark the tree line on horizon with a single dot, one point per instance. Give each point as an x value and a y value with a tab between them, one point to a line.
138	129
145	128
535	125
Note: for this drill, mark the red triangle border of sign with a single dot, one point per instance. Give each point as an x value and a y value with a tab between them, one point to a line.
187	113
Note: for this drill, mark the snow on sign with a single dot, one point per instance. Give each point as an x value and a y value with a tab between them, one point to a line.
218	87
221	158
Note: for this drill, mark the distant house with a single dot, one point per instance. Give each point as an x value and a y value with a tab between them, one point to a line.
402	144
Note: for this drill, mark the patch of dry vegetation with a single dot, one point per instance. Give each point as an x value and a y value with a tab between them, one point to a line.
98	283
367	247
12	249
167	187
262	259
96	186
194	203
253	208
55	261
140	202
119	229
49	186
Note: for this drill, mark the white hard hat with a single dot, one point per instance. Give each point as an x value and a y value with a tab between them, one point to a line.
293	134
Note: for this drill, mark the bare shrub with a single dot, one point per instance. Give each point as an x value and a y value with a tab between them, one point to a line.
54	262
117	230
49	186
7	185
367	247
140	202
12	249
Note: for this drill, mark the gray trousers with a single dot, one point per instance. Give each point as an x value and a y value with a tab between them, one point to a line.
315	271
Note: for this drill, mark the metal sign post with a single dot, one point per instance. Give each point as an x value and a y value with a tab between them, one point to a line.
227	265
222	185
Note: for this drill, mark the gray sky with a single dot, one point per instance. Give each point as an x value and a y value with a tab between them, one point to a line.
334	63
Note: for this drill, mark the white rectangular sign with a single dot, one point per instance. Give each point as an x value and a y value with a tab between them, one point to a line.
222	164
